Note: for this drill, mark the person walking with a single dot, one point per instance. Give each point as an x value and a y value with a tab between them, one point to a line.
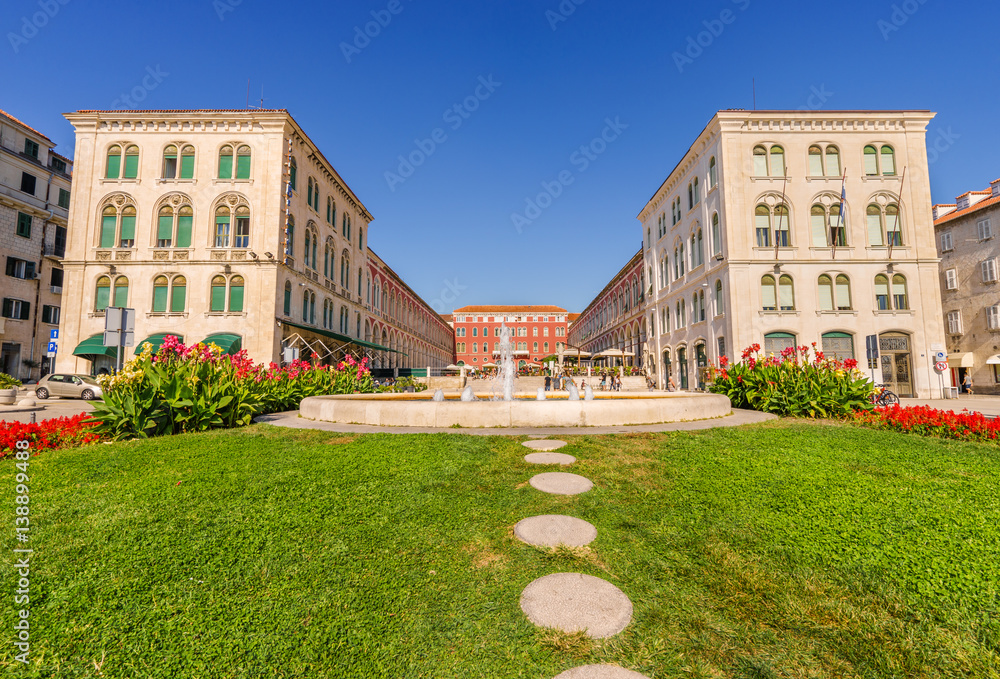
604	381
967	383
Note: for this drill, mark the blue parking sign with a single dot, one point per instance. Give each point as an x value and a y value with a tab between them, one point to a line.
53	348
54	334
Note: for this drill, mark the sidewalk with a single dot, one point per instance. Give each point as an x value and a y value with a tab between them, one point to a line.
45	410
987	405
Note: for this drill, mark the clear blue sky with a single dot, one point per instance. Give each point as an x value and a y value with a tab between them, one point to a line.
450	222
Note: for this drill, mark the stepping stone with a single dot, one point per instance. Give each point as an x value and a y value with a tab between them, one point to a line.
552	530
600	672
544	445
560	483
549	458
573	602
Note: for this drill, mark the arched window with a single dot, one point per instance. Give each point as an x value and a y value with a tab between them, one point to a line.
832	161
827	226
716	234
839	345
768	293
759	161
241	239
777	161
326	259
170	162
243	162
174	224
843	290
305	306
331	210
113	165
288	298
293	171
882	299
131	162
309	192
883	225
776	342
762	225
700	248
226	162
697	191
786	293
683	260
815	161
690	196
359	282
305	257
178	294
900	299
874	222
871	161
713	173
102	295
120	297
720	302
290	237
781	232
825	293
361	238
893	229
701	305
223	226
118	225
888	158
218	300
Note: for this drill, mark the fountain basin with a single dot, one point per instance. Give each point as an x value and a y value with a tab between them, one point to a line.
606	410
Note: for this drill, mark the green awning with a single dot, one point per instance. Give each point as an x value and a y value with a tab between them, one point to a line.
156	340
94	346
227	341
340	338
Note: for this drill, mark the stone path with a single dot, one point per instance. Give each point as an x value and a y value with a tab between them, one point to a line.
600	672
552	530
544	445
560	483
549	458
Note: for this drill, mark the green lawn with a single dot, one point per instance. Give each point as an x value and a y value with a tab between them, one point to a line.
781	550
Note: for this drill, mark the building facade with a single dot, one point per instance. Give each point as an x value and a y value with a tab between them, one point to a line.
223	226
537	332
616	318
968	247
745	244
34	210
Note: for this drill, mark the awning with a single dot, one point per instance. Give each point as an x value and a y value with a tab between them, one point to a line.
960	360
94	346
227	341
993	360
156	340
340	338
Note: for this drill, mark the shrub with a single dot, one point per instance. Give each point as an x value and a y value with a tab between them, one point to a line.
8	382
197	388
963	426
400	385
57	432
792	384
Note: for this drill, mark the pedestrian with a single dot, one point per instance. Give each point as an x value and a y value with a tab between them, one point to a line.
968	383
671	385
548	383
604	381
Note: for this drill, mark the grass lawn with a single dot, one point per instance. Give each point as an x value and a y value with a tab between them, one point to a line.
780	550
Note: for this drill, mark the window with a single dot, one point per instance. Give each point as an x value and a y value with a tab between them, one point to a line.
50	314
834	293
780	295
697	192
690	196
175	290
776	342
832	161
882	293
241	238
713	173
871	161
23	225
236	294
293	170
815	161
102	293
225	216
985	229
118	226
827	227
20	268
947	242
900	299
701	306
218	294
174	224
242	165
58	164
331	211
720	304
113	165
475	332
951	279
63	201
178	294
993	317
16	309
716	234
30	149
56	278
223	225
777	161
838	345
768	293
288	298
954	323
759	161
309	192
781	233
170	162
762	225
988	269
28	182
290	236
699	250
876	159
888	161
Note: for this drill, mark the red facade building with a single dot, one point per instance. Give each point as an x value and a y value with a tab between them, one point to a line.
536	333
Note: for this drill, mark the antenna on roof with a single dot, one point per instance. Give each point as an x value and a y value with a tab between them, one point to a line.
754	81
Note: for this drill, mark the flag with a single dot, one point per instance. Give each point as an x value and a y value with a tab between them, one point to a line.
835	233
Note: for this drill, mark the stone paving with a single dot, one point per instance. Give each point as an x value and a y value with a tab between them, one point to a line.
552	530
560	483
545	445
549	458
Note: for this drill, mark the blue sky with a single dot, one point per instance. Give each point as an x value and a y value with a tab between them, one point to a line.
558	72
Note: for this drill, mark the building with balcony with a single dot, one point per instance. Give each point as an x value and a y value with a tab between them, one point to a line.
537	332
216	225
34	211
969	249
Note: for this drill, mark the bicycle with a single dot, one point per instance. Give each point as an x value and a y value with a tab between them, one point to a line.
881	396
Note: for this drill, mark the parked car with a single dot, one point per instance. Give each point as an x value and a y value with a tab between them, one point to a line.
68	386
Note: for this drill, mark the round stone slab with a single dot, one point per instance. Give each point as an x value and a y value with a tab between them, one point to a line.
573	602
552	530
600	672
544	445
549	458
560	483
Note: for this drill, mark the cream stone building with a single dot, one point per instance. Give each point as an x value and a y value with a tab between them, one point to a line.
227	226
969	249
744	243
34	207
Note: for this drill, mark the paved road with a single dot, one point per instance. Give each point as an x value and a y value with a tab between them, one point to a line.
47	409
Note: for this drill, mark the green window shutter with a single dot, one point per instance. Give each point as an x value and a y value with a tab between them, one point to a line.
288	302
165	228
25	310
121	295
243	167
131	167
114	167
187	167
184	231
108	226
225	167
236	298
159	299
102	298
218	298
128	227
178	298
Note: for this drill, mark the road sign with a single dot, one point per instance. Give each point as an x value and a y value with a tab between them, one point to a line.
940	356
871	343
941	366
53	347
54	334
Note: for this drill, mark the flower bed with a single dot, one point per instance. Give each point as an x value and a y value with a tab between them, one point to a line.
196	388
963	426
57	432
793	384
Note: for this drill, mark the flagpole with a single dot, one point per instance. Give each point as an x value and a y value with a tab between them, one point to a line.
784	183
840	217
899	214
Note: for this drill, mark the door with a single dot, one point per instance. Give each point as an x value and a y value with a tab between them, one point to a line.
10	359
682	368
897	373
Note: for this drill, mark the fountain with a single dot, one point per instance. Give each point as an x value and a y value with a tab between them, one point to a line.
502	407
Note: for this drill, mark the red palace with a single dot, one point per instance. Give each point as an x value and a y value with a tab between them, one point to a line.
537	332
